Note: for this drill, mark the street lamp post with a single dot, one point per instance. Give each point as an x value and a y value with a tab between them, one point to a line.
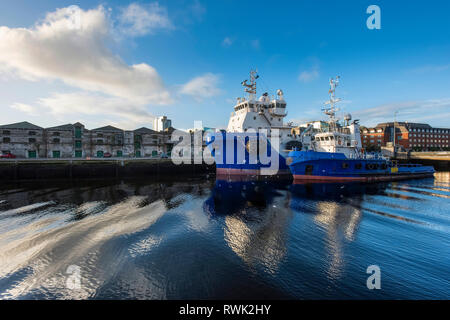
395	133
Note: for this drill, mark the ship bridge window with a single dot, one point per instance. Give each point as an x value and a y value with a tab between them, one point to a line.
344	165
317	139
327	138
358	166
322	139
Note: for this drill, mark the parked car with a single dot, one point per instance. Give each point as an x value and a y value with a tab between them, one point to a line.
7	156
107	155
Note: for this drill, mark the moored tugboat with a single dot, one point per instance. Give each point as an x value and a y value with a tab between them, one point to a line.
337	155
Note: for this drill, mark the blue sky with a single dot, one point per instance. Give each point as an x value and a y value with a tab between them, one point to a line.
126	62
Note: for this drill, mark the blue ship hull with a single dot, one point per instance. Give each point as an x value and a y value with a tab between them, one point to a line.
235	165
325	166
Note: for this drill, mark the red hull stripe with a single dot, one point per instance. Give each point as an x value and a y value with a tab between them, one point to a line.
365	179
246	172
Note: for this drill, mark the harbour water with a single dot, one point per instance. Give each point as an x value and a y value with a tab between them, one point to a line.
202	238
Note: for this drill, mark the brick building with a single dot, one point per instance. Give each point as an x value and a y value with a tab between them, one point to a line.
409	136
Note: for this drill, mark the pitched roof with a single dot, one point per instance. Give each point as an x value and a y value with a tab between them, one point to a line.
145	130
108	128
408	124
68	126
21	125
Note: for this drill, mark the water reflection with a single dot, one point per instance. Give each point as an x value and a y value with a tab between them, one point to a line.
337	209
74	223
200	238
256	215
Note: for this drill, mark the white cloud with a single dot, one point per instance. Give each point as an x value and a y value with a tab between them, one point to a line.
431	69
70	45
434	111
197	10
139	20
227	42
24	108
310	75
202	87
116	110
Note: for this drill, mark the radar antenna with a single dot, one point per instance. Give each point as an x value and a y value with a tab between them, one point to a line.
331	110
251	88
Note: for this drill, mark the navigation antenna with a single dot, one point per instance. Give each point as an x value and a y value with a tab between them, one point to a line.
251	88
331	110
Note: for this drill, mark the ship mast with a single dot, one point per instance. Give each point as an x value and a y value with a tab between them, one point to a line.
251	88
331	110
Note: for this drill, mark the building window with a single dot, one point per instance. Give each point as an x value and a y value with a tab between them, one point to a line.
78	144
56	140
56	134
56	154
100	135
78	132
6	140
6	132
99	141
31	140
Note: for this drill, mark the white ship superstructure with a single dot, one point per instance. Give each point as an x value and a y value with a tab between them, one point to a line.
344	139
265	113
262	118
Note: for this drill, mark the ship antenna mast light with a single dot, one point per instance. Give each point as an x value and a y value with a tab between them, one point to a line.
331	110
251	88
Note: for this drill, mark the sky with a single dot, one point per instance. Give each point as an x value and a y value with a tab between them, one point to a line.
123	63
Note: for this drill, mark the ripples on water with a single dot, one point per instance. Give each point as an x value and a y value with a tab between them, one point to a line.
202	238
